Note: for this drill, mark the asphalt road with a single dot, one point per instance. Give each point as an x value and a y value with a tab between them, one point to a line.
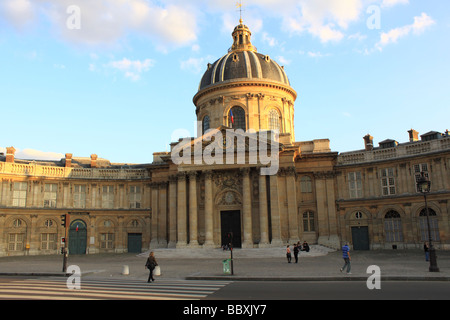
333	290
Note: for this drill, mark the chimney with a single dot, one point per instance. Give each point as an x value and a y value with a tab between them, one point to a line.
10	154
68	160
93	161
368	142
413	135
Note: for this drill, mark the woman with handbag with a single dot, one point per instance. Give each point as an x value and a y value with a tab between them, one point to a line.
151	265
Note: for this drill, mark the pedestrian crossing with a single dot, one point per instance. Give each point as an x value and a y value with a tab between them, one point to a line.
108	289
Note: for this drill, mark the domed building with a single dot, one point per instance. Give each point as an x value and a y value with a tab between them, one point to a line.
214	189
246	90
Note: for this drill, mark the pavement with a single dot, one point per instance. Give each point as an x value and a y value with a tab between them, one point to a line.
262	264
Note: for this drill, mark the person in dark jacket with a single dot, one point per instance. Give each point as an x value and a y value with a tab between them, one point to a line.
151	264
296	250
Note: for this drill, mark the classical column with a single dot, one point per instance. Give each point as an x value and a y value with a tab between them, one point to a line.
155	212
172	212
292	204
275	211
209	226
263	213
162	217
247	209
193	212
181	211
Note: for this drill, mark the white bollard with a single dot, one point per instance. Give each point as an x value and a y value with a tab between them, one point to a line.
126	270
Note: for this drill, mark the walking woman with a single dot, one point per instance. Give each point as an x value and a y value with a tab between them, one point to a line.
151	264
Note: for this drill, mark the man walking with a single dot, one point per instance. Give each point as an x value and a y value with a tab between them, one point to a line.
347	258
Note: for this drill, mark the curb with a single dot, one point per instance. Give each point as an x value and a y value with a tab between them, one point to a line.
318	279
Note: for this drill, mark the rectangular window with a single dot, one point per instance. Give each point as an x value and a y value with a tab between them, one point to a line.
20	194
79	196
388	181
418	168
108	197
15	242
50	194
135	197
355	185
107	240
308	221
48	241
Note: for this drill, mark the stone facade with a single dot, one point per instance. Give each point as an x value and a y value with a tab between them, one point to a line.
366	197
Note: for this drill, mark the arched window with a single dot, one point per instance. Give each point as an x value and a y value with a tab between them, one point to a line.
393	226
236	118
434	225
274	120
206	124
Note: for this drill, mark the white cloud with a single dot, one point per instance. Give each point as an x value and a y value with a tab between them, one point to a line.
108	21
32	154
391	3
318	54
419	26
19	13
195	65
131	69
283	61
324	19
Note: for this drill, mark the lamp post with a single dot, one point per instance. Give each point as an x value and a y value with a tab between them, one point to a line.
424	186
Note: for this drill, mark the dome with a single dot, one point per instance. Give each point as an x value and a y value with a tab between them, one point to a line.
243	62
243	65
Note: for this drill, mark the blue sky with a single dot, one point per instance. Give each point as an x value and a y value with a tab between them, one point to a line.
120	83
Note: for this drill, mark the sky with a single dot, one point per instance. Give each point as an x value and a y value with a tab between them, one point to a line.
116	78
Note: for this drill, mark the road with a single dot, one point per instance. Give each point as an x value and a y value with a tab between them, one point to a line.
333	290
56	288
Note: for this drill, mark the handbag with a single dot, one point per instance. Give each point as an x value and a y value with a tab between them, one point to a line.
157	271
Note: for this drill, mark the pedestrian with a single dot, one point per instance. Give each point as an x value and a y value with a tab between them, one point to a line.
427	252
296	249
305	246
347	258
288	254
151	264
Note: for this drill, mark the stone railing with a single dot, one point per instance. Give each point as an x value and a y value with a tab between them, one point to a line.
36	170
403	150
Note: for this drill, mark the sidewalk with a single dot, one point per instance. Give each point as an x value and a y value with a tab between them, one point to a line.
320	264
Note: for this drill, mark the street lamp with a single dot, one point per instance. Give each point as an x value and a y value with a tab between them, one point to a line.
424	186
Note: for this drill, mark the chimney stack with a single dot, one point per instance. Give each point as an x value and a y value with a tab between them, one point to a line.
413	135
10	152
94	161
368	142
68	160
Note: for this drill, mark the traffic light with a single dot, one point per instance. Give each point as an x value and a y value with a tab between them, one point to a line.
63	220
63	240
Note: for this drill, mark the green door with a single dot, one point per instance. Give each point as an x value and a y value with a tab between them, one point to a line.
135	242
360	237
77	237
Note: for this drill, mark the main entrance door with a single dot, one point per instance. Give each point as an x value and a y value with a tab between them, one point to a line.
231	227
77	237
135	242
360	237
